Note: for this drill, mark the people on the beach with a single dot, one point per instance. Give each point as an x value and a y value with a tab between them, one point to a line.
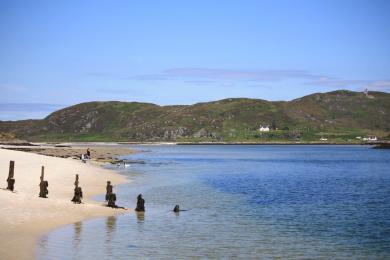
140	204
85	156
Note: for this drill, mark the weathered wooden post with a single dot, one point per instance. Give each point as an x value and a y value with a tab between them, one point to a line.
111	201
10	179
76	182
108	190
140	204
110	196
43	185
78	193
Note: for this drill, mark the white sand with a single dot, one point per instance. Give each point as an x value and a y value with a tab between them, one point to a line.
24	217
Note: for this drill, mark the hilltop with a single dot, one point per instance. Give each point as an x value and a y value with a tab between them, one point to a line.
338	116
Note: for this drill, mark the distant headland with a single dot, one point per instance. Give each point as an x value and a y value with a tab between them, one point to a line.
334	117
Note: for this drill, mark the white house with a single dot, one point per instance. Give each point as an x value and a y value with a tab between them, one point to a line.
323	139
370	138
264	128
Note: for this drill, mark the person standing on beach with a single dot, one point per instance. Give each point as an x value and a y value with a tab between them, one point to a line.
88	154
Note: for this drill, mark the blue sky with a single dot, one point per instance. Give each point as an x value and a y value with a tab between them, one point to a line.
58	53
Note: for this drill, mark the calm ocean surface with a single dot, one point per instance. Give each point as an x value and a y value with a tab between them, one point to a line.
249	202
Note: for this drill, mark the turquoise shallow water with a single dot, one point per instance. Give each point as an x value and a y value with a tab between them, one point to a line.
246	202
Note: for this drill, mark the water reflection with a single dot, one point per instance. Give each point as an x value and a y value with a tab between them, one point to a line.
110	231
43	243
110	224
140	216
78	227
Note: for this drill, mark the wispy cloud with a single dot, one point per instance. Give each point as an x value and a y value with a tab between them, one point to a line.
226	77
335	82
97	74
150	77
382	85
200	82
228	74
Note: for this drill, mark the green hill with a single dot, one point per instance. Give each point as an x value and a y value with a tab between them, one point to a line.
337	116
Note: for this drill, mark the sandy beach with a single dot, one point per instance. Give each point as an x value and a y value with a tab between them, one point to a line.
24	216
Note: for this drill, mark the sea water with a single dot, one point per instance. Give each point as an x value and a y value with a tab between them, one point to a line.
241	201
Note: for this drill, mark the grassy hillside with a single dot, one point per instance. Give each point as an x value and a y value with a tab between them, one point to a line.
338	116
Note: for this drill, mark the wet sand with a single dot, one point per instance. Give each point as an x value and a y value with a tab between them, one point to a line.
24	216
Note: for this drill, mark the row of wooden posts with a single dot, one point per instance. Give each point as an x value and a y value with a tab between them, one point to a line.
78	192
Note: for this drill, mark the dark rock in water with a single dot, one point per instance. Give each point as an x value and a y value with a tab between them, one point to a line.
126	161
176	208
140	204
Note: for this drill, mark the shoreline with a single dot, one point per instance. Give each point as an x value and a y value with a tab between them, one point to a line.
251	143
114	144
25	217
276	143
99	153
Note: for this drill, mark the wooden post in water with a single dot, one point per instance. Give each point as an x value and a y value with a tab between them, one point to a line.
108	190
43	185
110	196
78	193
140	204
76	182
10	179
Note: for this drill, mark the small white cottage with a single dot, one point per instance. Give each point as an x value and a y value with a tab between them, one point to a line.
264	128
370	138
